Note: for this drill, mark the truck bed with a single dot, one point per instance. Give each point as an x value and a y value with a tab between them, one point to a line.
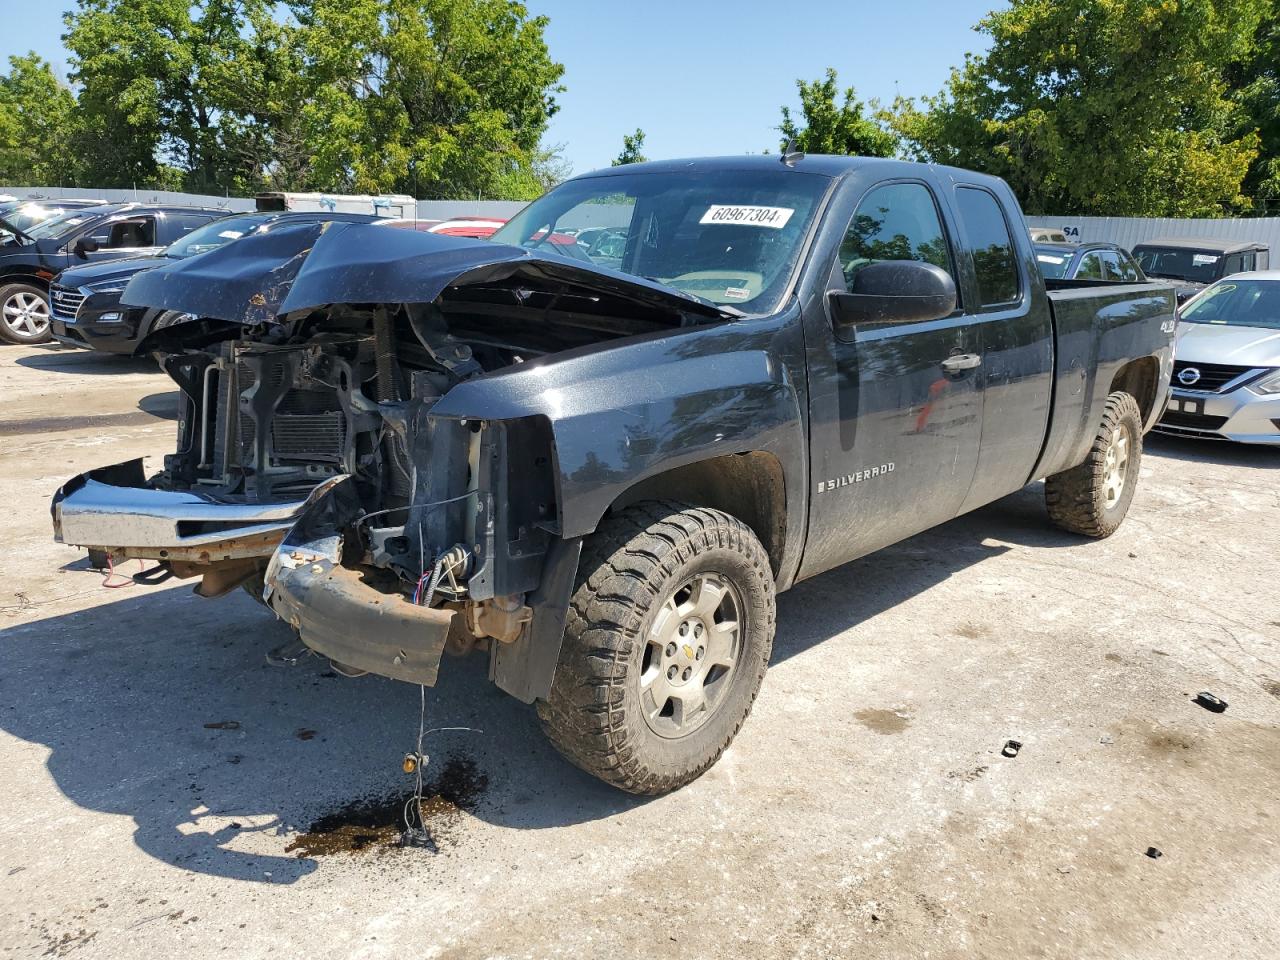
1099	326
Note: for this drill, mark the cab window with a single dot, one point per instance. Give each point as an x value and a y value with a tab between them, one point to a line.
124	234
1128	268
1090	267
896	221
994	263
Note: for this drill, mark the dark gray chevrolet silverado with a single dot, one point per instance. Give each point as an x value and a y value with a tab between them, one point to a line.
601	476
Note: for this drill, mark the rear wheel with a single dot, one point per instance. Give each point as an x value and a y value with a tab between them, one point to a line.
24	314
668	637
1093	498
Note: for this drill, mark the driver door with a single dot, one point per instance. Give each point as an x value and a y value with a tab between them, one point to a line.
895	409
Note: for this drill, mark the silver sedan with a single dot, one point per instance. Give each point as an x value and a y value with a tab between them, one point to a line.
1226	371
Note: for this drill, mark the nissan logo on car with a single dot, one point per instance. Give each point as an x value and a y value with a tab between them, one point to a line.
1188	376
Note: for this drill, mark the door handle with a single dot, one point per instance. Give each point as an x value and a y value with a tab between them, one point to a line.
961	362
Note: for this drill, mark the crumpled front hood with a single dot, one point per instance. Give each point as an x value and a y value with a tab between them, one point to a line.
105	271
1222	343
264	276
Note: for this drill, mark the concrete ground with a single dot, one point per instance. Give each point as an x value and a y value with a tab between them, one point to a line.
168	793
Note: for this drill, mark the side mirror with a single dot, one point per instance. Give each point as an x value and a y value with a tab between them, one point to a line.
85	246
895	291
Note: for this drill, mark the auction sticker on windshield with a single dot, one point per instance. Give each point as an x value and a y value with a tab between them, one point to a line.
744	216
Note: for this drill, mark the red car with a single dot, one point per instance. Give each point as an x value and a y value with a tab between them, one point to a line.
482	228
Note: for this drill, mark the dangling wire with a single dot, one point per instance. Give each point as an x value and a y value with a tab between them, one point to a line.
415	829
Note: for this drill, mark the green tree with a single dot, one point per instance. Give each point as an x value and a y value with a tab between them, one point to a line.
441	98
632	149
149	73
1115	107
825	126
36	125
1258	83
446	97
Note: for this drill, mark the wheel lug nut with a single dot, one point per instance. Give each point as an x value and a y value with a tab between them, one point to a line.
671	672
684	629
697	630
701	651
671	649
688	672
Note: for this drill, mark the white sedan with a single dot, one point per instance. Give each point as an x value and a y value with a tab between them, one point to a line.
1226	371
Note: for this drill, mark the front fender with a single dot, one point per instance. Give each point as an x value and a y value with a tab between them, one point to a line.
621	414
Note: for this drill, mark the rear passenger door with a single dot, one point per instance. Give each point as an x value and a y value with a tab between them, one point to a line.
172	227
1009	314
895	408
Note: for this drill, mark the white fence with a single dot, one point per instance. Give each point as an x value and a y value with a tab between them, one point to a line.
1130	231
427	209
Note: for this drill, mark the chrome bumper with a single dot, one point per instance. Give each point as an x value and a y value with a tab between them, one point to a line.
1240	415
113	509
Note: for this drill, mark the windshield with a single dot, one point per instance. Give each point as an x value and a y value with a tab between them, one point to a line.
1237	303
59	225
1178	264
215	234
28	215
1053	262
729	237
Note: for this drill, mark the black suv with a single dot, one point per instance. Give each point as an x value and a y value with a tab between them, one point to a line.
85	303
30	258
1191	263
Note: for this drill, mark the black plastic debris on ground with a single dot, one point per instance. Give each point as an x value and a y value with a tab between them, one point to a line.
378	822
1154	853
1011	748
1211	703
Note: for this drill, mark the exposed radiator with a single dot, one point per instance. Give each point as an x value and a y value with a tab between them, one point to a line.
308	427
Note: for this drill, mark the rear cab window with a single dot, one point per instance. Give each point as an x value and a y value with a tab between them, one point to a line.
995	262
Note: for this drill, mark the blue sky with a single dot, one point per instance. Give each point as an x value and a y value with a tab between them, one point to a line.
699	76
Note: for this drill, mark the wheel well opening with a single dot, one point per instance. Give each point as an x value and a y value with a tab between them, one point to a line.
1139	379
749	486
24	278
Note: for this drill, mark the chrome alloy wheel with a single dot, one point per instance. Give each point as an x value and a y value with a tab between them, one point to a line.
690	655
1115	464
26	314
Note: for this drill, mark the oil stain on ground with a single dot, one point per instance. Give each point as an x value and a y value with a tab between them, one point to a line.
883	722
377	822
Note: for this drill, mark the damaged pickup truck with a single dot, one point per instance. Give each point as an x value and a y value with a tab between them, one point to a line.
601	475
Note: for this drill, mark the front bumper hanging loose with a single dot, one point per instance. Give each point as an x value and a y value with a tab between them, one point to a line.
340	616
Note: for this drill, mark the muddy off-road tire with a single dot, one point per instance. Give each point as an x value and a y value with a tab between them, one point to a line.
668	637
1093	498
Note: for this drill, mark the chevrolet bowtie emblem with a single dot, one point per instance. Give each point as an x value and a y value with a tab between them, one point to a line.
688	651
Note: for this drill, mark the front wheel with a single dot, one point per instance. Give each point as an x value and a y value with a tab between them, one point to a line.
24	314
1093	498
668	637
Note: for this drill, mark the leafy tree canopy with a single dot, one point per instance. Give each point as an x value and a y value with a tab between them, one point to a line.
439	98
632	149
1107	107
35	112
828	126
